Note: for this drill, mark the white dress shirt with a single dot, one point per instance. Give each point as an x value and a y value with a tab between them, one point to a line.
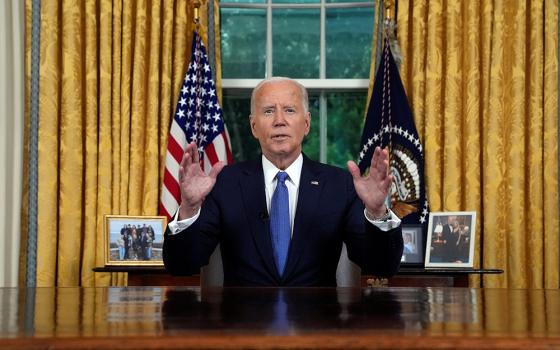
294	175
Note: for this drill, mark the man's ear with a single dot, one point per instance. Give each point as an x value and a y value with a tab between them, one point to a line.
307	123
252	124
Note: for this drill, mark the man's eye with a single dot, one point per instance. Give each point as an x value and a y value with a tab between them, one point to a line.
268	111
290	110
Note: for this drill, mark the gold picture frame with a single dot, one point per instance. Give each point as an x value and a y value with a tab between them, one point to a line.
133	240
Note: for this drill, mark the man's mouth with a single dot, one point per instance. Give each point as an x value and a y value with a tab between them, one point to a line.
279	137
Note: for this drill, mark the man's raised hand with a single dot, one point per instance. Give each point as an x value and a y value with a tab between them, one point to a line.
374	187
195	184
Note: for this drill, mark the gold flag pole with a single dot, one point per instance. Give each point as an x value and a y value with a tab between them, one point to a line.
197	4
389	35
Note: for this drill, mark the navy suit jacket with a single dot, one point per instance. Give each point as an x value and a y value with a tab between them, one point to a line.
328	213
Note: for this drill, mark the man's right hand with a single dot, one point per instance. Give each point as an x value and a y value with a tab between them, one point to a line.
195	184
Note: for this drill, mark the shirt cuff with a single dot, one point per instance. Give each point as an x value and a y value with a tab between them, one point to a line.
387	225
176	226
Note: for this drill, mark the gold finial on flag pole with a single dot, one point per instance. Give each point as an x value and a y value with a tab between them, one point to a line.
389	4
197	4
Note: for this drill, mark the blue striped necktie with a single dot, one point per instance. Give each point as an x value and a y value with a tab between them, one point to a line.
280	222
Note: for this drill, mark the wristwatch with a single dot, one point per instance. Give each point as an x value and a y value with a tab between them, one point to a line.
383	218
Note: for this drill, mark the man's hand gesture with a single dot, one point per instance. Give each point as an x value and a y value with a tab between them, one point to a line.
373	188
195	184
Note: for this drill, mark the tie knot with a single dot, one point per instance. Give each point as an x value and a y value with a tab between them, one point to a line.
282	176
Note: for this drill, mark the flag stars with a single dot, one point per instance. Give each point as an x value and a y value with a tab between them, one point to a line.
181	113
214	128
183	101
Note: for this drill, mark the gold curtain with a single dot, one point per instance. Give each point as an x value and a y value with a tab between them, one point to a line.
481	78
110	73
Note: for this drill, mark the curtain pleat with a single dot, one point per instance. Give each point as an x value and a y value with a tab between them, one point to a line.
109	80
481	78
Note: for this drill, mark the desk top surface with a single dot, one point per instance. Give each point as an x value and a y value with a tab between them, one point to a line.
169	317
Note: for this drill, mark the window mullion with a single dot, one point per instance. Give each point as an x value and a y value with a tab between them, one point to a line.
323	127
322	46
268	72
322	96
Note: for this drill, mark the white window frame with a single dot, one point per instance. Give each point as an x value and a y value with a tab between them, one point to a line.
322	84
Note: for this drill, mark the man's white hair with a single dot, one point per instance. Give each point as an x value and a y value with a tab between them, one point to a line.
303	91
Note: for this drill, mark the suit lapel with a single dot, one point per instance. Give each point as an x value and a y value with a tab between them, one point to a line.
310	186
254	199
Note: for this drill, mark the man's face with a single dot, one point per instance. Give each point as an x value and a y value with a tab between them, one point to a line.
279	120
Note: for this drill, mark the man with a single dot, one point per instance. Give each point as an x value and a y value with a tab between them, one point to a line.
252	206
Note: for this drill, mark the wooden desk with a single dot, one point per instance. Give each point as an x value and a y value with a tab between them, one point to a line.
407	277
278	318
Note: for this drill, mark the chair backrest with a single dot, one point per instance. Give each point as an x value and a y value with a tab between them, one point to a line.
212	275
348	274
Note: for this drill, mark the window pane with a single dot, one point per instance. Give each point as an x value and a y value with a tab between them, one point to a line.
339	1
244	1
349	35
243	43
296	34
345	116
296	1
237	107
311	143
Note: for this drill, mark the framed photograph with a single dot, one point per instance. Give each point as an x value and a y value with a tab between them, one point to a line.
413	253
451	237
134	240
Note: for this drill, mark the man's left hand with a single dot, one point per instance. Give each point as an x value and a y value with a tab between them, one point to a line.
374	187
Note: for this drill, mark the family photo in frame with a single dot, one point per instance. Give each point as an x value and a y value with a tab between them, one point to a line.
134	240
413	249
451	237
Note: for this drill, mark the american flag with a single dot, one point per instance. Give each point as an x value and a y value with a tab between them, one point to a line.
198	118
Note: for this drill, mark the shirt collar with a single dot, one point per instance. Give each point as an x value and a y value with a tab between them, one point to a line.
294	170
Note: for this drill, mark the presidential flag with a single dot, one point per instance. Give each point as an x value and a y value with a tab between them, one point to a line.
389	123
198	118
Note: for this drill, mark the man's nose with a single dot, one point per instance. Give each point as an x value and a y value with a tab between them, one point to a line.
279	117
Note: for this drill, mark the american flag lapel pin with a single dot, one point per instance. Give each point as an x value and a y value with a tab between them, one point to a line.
316	183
